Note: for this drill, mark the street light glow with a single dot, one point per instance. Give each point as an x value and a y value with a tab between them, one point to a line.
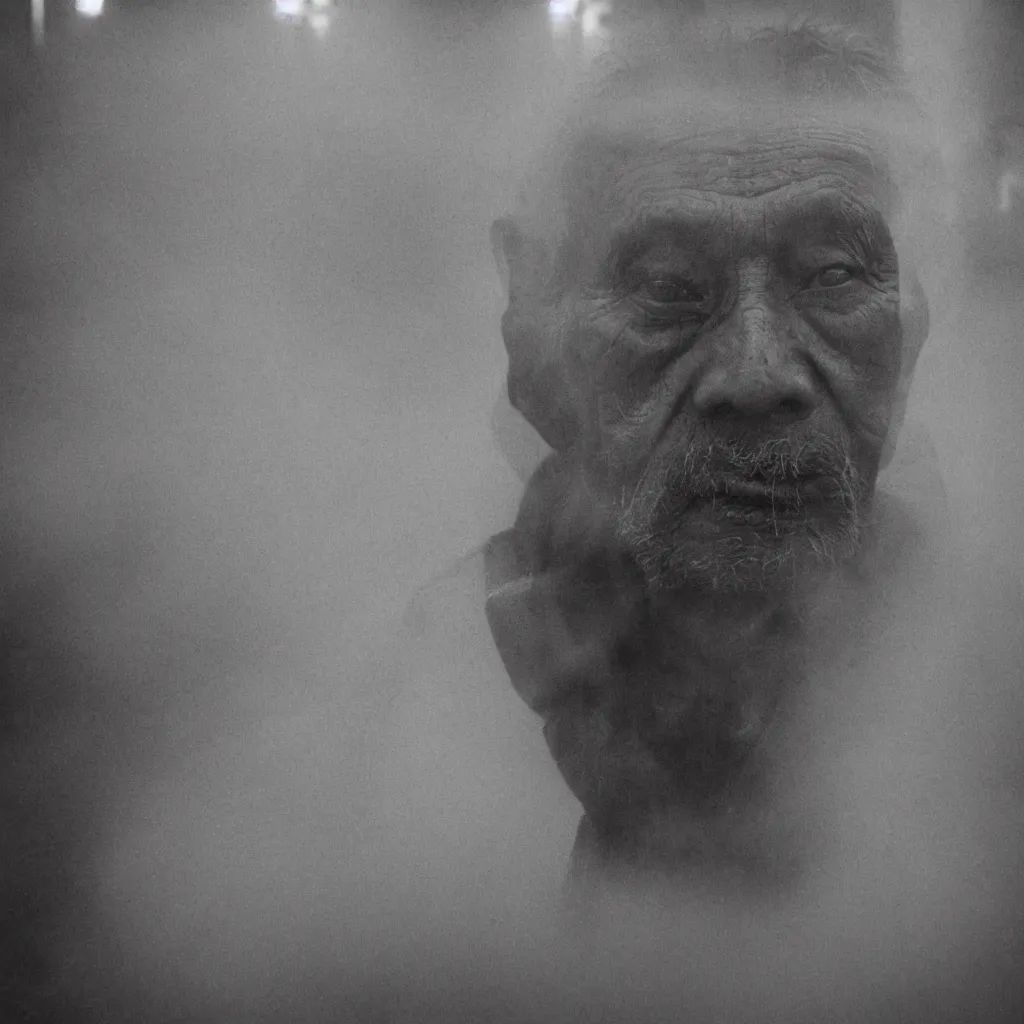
317	14
288	11
320	23
38	21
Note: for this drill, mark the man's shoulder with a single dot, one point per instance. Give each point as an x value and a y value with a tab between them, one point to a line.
450	667
446	613
451	664
465	761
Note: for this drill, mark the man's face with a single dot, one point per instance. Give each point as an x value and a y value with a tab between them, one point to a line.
734	340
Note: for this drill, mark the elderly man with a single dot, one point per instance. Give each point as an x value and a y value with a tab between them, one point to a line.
744	652
714	334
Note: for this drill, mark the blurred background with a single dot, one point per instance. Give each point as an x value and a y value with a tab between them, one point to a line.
250	353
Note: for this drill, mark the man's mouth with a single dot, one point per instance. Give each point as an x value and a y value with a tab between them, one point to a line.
752	501
756	491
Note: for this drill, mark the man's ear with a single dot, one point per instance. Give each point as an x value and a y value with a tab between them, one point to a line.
537	381
914	322
506	245
521	260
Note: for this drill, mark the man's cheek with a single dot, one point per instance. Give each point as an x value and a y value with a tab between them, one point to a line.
619	439
866	339
865	403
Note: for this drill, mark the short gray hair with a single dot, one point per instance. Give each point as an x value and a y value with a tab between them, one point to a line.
830	67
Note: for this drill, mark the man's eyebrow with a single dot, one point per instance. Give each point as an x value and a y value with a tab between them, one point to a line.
694	229
629	240
865	222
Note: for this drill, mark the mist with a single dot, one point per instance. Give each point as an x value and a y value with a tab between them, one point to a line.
251	361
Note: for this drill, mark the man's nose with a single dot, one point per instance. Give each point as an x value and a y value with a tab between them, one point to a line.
755	372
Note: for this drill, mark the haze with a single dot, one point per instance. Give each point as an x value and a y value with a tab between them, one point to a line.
251	357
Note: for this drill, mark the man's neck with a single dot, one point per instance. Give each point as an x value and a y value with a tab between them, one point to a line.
724	628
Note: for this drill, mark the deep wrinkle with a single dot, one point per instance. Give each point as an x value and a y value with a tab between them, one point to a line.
690	224
813	226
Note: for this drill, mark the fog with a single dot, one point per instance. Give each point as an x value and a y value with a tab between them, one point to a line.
251	356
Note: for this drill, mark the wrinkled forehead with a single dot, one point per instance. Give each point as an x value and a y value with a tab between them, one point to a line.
675	148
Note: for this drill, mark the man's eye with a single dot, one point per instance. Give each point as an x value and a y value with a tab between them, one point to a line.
670	291
834	276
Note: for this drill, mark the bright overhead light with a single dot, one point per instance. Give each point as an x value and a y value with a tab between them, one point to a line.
38	21
593	20
89	8
320	23
318	14
288	10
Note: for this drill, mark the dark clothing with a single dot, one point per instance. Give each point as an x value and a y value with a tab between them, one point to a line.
583	650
